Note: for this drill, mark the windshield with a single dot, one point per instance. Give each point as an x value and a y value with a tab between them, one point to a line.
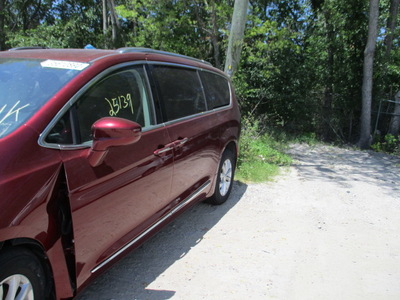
25	85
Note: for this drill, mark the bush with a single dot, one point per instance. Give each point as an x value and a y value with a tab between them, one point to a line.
389	144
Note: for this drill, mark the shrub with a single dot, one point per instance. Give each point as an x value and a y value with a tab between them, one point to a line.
390	144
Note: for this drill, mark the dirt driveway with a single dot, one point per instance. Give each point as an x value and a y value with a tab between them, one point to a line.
327	228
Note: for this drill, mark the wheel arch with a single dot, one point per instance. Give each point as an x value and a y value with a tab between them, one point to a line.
54	245
232	146
38	250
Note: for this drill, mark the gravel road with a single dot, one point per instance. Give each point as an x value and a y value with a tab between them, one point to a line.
327	228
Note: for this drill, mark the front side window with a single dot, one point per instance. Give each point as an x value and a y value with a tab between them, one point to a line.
180	91
122	94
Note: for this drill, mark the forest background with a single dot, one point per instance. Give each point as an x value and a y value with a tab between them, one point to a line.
301	67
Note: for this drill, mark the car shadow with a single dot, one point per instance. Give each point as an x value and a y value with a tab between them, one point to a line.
129	278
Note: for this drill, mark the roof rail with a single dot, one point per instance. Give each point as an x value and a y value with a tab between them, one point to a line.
153	51
27	48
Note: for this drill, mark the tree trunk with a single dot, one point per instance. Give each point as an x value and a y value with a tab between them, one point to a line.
114	22
391	25
104	18
214	35
328	94
365	132
235	43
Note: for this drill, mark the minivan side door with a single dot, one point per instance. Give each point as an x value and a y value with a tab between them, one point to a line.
191	128
114	202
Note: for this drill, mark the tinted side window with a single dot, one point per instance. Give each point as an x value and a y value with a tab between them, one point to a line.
217	90
180	91
123	94
61	133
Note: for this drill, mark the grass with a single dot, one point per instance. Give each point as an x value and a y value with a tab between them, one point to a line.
261	154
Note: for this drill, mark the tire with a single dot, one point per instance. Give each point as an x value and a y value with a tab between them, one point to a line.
224	180
21	275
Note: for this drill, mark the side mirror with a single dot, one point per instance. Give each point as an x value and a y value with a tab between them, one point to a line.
111	132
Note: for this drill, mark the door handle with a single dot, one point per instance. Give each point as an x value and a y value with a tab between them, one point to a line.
169	147
164	150
179	143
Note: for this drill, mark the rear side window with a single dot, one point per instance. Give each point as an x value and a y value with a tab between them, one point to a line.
216	89
180	91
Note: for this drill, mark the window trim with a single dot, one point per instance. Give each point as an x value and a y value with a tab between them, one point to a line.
158	91
156	96
151	63
134	76
209	111
153	96
229	87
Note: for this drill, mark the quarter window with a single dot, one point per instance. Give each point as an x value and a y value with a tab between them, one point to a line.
217	90
180	91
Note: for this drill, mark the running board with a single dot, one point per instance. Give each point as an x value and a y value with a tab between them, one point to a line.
144	233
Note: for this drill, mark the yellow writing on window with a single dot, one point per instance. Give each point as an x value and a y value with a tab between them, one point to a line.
120	103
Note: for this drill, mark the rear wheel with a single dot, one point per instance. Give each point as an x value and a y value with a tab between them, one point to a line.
224	180
21	275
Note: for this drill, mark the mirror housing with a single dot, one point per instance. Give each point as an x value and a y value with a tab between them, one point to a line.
111	132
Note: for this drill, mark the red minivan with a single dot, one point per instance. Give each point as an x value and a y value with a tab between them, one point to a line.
98	149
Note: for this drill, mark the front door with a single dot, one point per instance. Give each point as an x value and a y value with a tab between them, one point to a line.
114	202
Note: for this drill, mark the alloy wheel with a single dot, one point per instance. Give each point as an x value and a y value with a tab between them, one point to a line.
16	287
225	177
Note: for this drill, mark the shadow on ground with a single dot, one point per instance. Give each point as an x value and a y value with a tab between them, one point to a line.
345	166
129	278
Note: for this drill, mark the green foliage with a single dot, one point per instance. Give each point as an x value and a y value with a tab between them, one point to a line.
389	144
72	34
336	42
260	153
63	24
302	67
257	171
309	138
193	28
273	79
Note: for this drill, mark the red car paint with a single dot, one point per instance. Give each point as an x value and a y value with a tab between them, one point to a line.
112	193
